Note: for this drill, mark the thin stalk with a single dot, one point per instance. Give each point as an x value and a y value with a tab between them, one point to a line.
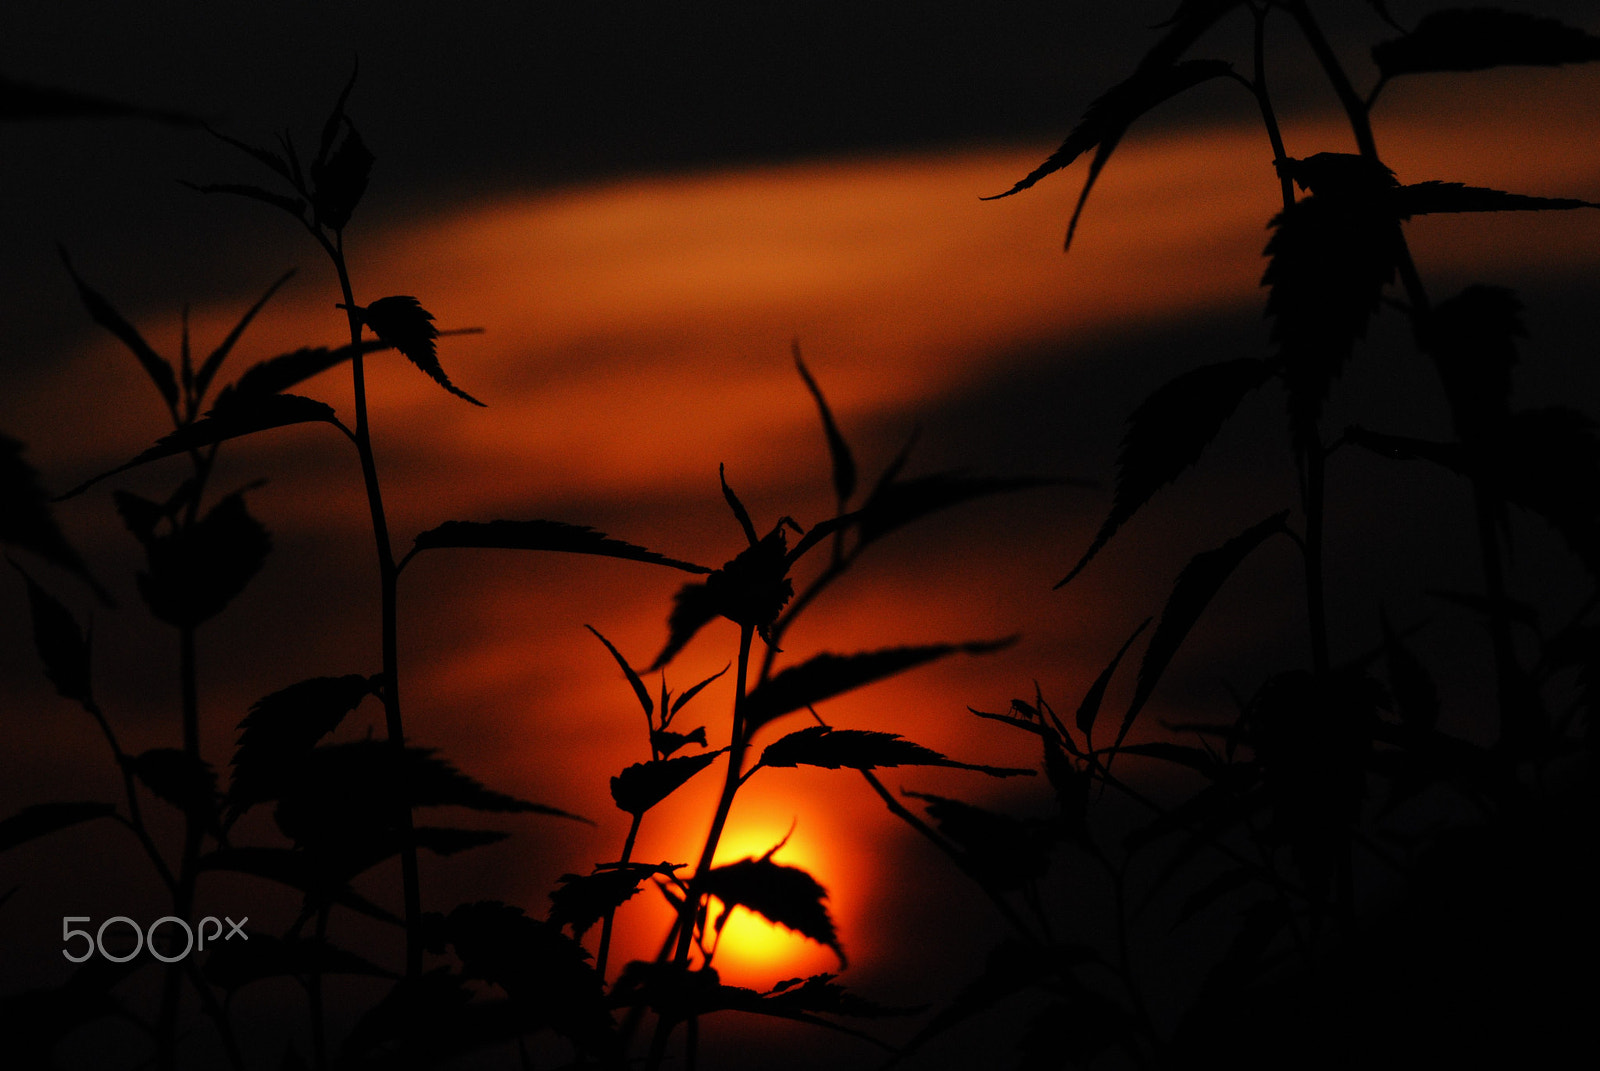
387	577
730	787
690	908
605	928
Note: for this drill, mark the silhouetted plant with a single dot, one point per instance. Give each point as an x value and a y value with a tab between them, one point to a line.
1319	759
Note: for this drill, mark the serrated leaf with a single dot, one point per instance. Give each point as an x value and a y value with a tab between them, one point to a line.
195	571
682	700
1109	117
292	205
219	426
628	671
827	675
42	819
539	967
179	778
1191	594
25	518
1429	198
740	514
343	799
339	180
645	784
1475	39
63	647
896	503
402	322
282	728
1089	708
278	374
665	742
844	465
693	607
1405	448
1331	256
542	535
1000	851
783	894
102	312
582	901
822	995
858	749
449	840
208	370
1168	432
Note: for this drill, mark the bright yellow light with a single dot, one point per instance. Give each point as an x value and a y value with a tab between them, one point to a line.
753	951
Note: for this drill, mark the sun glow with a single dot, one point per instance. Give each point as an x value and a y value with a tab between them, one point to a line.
752	951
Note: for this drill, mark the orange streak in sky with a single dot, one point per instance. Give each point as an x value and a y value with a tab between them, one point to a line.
638	335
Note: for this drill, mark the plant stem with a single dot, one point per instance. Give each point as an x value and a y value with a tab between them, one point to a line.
193	835
605	928
387	577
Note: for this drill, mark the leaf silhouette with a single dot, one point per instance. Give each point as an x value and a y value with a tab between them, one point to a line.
1191	594
25	518
292	205
665	742
277	374
213	362
693	607
996	849
827	675
1110	116
221	425
20	100
627	671
402	322
102	312
1475	39
195	571
538	966
645	784
541	535
894	504
339	181
783	894
581	902
1010	968
1089	709
740	514
63	647
1167	433
858	749
679	703
1428	198
179	778
1331	256
42	819
282	728
844	466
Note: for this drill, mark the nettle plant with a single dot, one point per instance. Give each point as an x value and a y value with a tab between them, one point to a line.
1336	786
484	973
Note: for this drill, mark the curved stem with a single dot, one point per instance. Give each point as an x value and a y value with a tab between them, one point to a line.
605	928
387	577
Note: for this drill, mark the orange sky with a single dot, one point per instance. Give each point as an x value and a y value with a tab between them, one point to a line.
637	335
